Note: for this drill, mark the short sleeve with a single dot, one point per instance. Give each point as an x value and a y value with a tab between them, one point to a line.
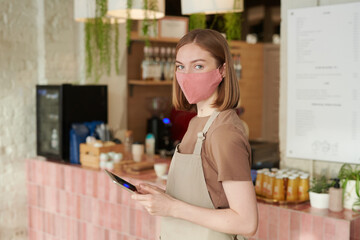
231	153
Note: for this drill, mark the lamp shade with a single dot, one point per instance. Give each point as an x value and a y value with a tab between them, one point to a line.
155	9
85	10
211	6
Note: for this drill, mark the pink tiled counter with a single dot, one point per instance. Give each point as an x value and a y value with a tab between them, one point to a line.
73	203
302	222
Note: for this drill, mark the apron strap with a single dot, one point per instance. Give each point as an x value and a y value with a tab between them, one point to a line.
201	135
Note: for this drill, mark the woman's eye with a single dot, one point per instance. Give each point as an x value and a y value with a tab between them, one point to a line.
179	67
198	67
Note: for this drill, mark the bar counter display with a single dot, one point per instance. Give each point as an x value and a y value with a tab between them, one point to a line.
70	202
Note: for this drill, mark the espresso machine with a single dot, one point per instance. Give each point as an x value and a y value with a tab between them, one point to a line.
159	125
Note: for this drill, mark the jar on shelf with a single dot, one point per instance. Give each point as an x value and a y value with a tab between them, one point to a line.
259	181
292	189
279	193
303	193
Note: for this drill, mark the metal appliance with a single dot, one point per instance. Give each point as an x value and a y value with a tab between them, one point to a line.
158	124
57	107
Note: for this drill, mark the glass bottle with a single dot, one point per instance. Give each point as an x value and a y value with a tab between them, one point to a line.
128	144
157	64
292	189
168	64
162	63
259	181
54	139
145	64
335	197
279	188
270	185
303	193
172	65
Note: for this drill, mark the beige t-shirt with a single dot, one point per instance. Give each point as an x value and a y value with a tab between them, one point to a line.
225	154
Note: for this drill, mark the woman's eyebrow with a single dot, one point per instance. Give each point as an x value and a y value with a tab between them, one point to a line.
196	60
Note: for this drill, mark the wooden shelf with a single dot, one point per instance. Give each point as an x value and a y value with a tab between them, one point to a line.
135	37
150	83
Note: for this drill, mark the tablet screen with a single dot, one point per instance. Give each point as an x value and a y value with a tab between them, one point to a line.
118	180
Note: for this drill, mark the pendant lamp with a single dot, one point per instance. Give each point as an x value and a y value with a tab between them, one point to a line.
211	6
85	11
155	9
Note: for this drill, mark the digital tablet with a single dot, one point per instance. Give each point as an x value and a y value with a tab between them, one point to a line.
121	182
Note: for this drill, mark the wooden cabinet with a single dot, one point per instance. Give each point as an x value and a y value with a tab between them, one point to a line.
259	88
140	92
251	84
271	90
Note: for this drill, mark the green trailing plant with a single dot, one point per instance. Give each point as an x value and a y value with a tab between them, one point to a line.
347	173
320	185
197	21
233	26
89	55
230	23
99	37
117	52
146	23
128	22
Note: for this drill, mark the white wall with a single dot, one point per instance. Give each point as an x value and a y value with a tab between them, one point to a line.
39	43
312	166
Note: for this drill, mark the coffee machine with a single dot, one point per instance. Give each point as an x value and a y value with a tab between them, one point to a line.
158	124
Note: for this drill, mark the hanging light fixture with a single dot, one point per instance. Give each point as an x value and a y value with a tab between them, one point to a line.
154	9
85	11
211	6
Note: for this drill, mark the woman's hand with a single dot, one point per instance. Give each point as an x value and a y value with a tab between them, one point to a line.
155	200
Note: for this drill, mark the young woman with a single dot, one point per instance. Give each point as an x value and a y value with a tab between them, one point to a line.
209	193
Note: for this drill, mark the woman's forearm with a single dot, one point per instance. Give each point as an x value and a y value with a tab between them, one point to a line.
222	220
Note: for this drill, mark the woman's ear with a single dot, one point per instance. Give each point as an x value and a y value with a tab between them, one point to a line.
223	70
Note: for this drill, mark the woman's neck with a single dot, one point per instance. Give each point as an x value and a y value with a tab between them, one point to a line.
205	108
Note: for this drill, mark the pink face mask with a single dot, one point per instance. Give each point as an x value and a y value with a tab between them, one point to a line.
198	86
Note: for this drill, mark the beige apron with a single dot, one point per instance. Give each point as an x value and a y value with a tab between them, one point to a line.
186	182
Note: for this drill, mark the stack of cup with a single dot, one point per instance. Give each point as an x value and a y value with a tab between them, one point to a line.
109	160
137	151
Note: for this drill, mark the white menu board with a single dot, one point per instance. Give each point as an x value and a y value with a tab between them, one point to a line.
323	108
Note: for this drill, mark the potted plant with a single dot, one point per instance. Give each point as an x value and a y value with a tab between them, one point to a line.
319	192
350	183
102	38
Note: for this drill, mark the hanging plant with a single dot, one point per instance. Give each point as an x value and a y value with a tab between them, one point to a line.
233	26
148	5
147	23
117	52
129	4
230	23
197	21
233	22
99	34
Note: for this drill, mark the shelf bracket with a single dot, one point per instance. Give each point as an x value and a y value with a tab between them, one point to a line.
131	90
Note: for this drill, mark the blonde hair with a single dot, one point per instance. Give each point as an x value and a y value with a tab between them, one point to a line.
228	91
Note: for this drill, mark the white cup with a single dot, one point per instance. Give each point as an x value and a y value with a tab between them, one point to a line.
160	169
137	151
104	157
117	157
